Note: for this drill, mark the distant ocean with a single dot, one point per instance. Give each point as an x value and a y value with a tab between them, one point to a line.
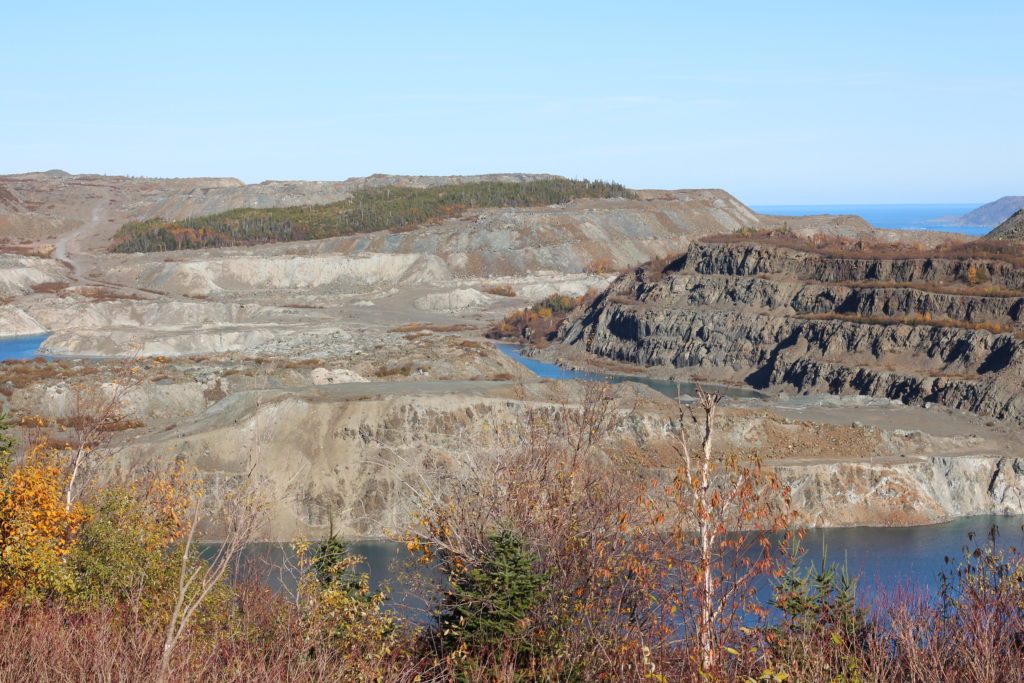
895	216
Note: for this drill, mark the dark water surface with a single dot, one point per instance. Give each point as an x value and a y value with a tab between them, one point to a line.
884	559
388	564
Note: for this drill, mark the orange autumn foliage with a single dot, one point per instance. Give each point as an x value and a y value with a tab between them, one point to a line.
37	528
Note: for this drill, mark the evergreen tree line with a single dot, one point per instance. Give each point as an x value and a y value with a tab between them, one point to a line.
392	208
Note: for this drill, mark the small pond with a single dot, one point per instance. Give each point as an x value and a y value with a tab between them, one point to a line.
19	348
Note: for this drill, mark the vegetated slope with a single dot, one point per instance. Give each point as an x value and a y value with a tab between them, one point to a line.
588	235
272	193
840	317
991	214
368	210
1010	229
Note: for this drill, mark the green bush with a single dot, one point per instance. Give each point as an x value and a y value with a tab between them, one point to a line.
125	552
821	620
334	565
490	605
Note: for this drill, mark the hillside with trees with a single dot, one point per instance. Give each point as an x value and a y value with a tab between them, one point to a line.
371	210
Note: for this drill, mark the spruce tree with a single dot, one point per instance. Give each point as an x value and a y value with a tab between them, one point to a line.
492	604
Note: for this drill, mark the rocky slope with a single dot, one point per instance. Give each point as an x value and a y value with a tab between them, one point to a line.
19	274
45	205
356	458
903	328
1010	229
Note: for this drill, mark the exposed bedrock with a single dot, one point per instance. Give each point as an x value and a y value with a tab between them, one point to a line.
906	492
19	274
755	259
907	329
357	458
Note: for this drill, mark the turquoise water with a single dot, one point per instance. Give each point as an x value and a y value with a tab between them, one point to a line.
670	389
16	348
892	216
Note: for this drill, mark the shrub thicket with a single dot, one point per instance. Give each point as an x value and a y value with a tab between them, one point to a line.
537	324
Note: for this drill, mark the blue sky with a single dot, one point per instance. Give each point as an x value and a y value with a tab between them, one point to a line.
775	102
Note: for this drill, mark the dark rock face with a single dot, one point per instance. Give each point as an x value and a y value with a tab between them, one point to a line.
906	329
1010	229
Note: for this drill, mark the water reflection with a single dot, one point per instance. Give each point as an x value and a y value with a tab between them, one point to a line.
883	559
411	587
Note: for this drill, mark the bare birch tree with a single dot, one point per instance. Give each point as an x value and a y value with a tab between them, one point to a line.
241	515
725	506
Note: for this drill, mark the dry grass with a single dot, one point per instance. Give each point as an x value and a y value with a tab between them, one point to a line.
118	423
400	370
430	327
919	319
27	249
501	290
24	373
264	638
600	266
99	294
300	363
93	293
49	287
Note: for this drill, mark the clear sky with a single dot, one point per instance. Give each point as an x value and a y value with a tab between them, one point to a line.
816	102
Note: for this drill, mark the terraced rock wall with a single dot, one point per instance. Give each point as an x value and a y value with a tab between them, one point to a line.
907	329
